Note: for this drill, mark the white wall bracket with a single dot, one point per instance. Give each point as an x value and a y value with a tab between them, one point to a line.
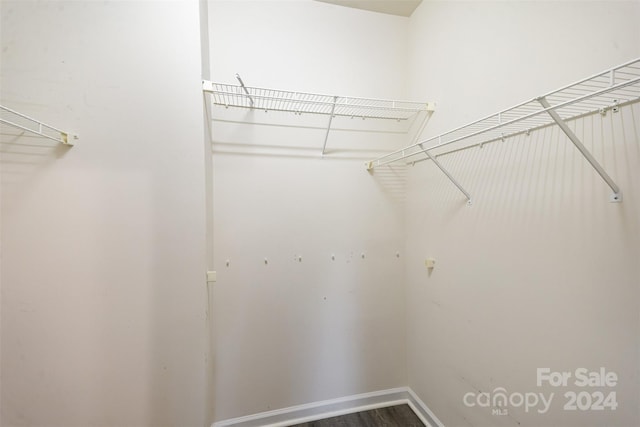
326	136
244	88
617	195
212	276
36	127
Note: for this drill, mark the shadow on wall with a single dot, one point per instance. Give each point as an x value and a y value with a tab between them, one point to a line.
23	157
254	132
307	303
540	256
392	180
276	133
530	177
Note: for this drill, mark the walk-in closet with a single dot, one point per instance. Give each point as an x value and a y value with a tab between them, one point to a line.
405	213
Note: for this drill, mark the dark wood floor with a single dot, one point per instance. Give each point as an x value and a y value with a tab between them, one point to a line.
393	416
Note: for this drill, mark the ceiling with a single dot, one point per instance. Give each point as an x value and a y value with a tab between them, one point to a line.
391	7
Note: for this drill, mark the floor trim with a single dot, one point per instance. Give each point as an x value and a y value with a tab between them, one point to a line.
422	410
336	407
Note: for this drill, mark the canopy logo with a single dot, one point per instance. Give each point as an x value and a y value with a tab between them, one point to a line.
499	399
593	394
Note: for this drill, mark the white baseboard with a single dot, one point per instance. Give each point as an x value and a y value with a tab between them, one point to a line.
336	407
422	410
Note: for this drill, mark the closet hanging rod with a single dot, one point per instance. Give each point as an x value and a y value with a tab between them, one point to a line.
42	129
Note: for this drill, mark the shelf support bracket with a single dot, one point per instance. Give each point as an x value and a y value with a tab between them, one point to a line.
244	88
326	135
446	172
616	197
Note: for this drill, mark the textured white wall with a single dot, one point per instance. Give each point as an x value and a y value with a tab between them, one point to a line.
103	297
542	271
292	332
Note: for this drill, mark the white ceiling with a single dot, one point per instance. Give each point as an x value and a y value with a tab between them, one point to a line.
392	7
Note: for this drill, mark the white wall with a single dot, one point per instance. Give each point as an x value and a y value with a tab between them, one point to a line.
542	270
305	46
293	332
103	294
103	251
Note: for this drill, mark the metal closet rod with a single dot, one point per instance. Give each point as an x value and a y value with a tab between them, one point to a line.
65	138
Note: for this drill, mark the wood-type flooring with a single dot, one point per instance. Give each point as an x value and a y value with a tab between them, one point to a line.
393	416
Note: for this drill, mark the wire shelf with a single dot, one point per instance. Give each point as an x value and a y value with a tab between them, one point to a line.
310	103
601	93
28	124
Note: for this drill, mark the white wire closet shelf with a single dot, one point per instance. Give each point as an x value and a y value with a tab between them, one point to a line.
26	123
602	92
299	103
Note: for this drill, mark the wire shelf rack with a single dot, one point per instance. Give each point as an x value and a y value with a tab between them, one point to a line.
33	126
300	103
602	92
311	103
